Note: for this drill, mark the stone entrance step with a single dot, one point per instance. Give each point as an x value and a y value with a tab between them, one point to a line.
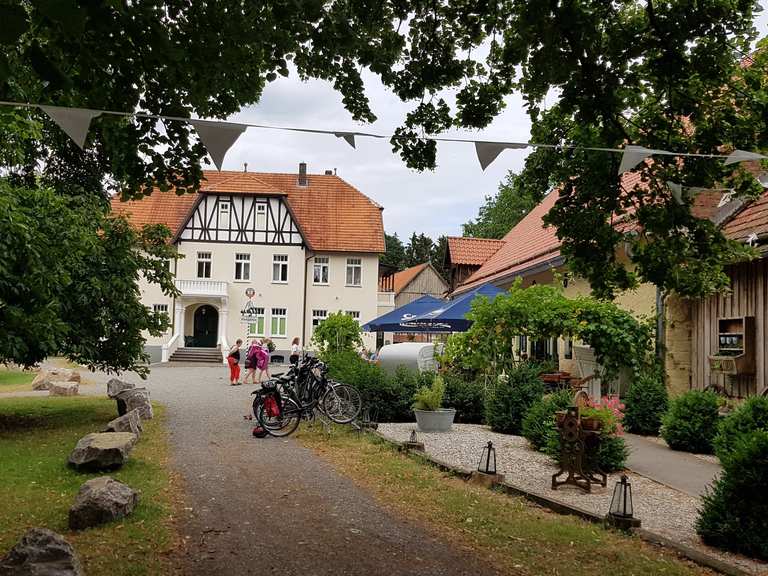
201	355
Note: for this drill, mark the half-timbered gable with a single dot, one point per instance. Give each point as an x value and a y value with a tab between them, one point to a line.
242	219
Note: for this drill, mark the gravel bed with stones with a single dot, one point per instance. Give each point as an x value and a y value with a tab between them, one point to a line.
662	510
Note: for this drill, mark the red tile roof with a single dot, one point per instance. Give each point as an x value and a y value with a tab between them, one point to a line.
472	251
527	244
333	215
530	244
752	219
405	277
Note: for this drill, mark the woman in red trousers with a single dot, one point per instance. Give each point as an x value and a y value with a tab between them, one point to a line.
234	363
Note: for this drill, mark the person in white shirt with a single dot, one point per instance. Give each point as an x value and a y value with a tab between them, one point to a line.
295	351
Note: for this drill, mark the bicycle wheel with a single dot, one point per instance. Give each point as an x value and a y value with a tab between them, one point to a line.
341	403
285	423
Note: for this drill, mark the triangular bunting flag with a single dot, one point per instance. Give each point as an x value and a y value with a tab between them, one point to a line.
487	152
349	137
632	156
217	138
741	156
74	121
677	191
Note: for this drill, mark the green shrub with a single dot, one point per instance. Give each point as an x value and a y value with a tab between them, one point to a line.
734	513
539	421
691	422
430	397
612	452
646	402
388	397
750	416
511	397
466	396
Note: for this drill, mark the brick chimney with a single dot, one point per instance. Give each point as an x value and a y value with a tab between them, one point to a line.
303	180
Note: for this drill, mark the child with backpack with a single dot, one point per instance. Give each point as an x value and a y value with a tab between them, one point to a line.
257	359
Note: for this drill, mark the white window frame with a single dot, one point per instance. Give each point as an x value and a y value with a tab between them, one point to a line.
321	263
278	314
225	207
352	265
354	314
280	260
261	216
243	259
317	317
202	259
254	330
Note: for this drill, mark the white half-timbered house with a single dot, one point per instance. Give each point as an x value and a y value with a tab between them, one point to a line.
262	255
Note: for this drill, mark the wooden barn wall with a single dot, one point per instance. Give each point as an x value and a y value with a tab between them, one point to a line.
748	297
427	282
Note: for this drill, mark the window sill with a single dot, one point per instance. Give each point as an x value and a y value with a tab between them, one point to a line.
353	285
279	281
241	281
321	283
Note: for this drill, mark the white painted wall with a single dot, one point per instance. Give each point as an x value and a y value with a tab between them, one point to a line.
337	296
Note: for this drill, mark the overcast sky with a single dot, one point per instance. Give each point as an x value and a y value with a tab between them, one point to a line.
434	203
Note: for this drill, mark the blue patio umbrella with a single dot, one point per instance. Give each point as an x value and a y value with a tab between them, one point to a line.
451	316
393	321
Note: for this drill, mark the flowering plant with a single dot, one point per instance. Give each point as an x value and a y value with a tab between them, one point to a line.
616	407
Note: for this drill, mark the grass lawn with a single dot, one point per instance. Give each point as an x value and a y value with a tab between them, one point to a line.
37	487
15	381
513	534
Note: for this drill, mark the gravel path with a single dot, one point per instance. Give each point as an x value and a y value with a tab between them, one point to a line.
270	506
662	509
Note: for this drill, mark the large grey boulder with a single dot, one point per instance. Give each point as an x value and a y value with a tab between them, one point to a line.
41	552
101	500
115	386
102	450
47	375
64	389
128	422
135	399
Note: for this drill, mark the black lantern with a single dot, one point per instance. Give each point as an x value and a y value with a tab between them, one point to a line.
621	512
487	464
413	439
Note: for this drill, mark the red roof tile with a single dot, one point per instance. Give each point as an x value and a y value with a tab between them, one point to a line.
333	215
472	251
752	219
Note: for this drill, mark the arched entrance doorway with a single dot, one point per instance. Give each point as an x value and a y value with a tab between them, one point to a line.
206	327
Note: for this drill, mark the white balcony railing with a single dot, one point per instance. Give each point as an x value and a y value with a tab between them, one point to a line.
386	299
202	287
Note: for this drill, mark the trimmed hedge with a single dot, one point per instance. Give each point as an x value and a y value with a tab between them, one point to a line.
750	416
390	397
645	404
467	397
539	421
735	514
509	399
691	422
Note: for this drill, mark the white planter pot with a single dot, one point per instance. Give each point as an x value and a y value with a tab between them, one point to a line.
437	421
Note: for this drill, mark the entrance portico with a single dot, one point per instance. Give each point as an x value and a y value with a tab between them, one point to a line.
200	317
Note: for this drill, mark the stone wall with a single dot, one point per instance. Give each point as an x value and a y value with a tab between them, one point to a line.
678	327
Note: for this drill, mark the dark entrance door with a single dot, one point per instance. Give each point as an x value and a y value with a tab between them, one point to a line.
206	327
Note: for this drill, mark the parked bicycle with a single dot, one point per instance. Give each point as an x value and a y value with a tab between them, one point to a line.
301	394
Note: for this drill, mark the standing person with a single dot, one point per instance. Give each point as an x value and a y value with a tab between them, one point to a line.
251	361
233	359
294	357
265	348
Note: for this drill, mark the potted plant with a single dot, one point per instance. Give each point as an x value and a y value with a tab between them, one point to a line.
427	406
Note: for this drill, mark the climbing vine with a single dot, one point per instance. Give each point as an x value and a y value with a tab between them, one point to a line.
618	339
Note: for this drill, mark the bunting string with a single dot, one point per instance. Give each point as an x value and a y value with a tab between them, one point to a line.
218	136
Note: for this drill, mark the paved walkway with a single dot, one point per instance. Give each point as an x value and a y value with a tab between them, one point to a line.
270	506
679	470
